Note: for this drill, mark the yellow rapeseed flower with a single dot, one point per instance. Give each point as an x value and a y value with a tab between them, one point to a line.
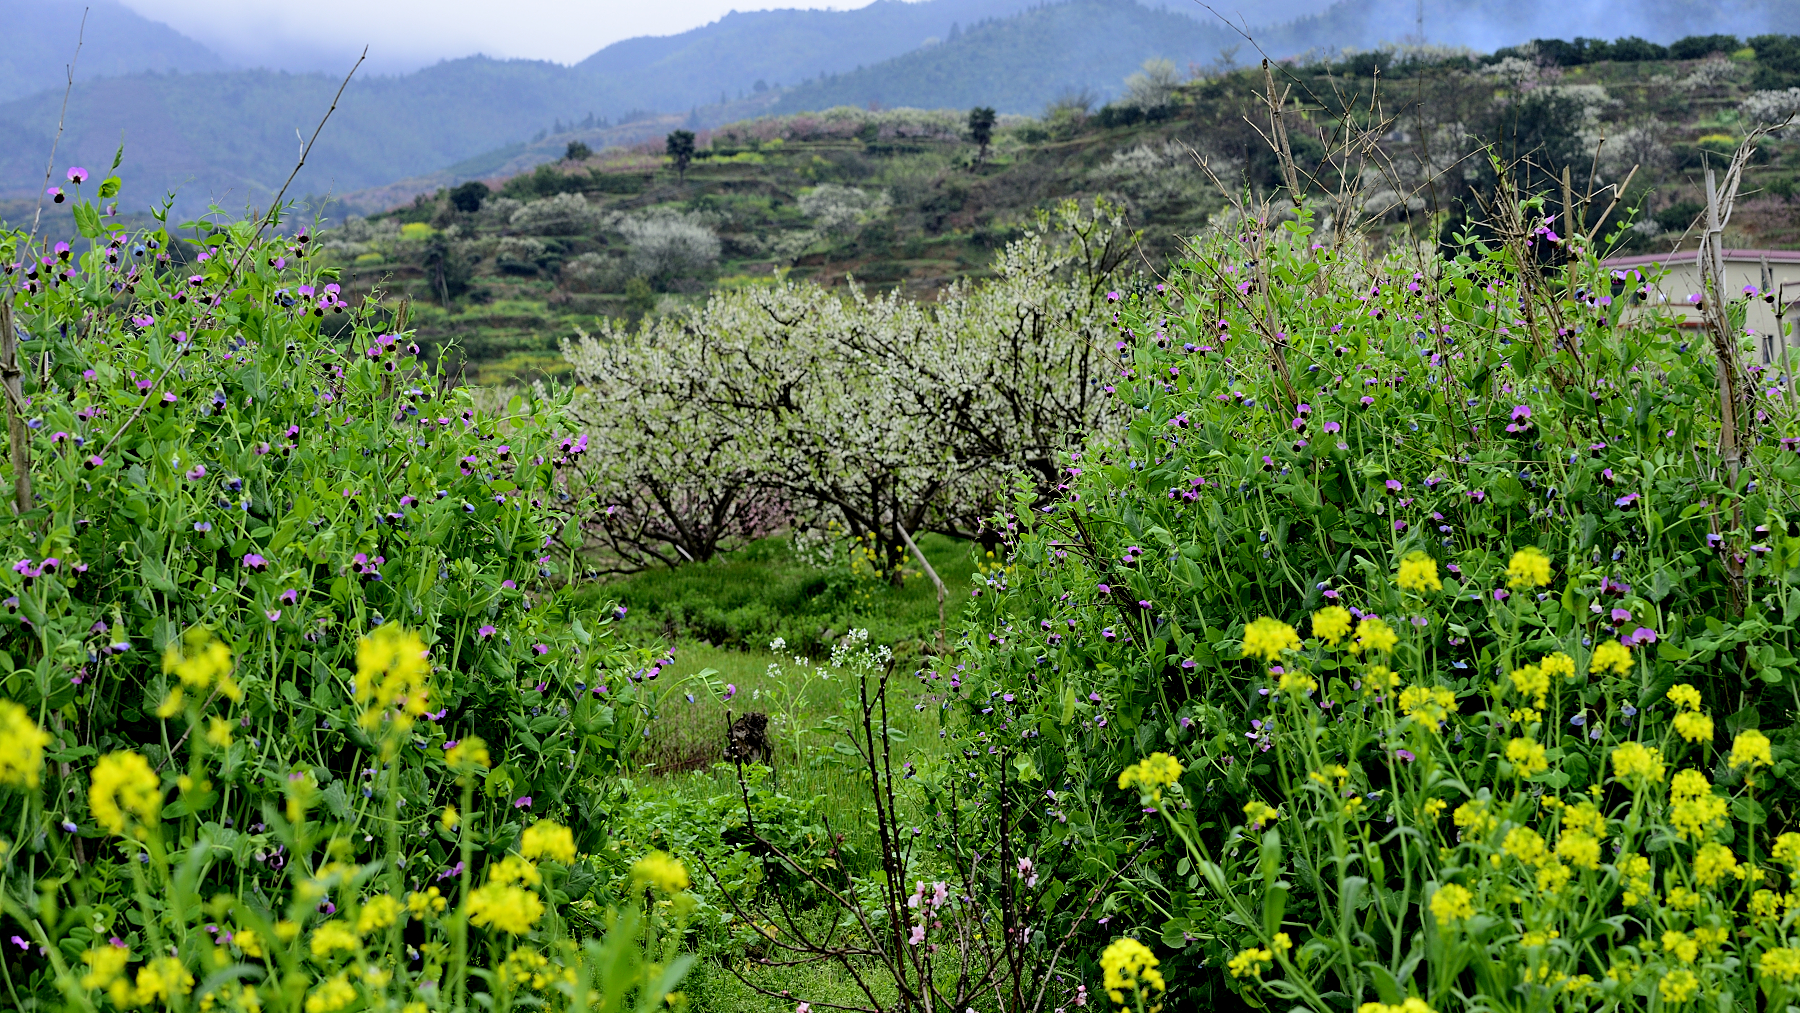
511	909
377	913
1552	876
1684	948
661	870
247	940
22	745
1638	881
391	673
1611	656
1678	986
1694	726
1452	903
106	964
1418	572
1579	848
1331	624
197	658
1128	966
1782	964
1751	749
1296	682
1556	664
331	995
1684	696
1587	818
1251	962
1429	705
514	869
1373	634
1532	683
548	839
1259	814
430	902
1474	817
1152	774
331	937
1529	568
1713	862
1787	849
122	790
1524	844
1527	757
218	732
1638	761
1412	1004
157	981
1266	638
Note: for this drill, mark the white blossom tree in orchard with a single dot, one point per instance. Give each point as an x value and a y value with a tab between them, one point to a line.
876	410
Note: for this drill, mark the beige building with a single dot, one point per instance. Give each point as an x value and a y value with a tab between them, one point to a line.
1674	281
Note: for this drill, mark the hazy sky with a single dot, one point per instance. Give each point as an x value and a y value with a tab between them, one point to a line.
408	33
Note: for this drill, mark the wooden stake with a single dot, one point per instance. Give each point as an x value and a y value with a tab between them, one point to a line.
17	437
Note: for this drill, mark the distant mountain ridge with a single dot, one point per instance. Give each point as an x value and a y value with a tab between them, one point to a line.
39	40
230	135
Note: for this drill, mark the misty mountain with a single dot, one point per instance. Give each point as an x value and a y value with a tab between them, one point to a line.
40	39
1020	64
231	136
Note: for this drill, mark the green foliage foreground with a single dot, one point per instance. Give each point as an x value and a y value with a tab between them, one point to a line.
1536	748
296	716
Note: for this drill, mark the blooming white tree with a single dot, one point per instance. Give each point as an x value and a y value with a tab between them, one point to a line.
565	214
669	245
878	410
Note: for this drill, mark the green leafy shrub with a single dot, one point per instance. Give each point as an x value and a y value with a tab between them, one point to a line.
270	564
1309	428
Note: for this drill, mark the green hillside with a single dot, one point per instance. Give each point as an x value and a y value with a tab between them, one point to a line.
896	198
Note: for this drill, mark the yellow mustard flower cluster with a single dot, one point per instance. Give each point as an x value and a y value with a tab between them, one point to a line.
1691	723
661	870
549	839
1611	656
1266	638
391	673
1250	962
124	792
1528	568
1331	624
468	755
22	745
1634	761
1452	903
162	980
1531	682
1152	774
1527	757
1751	749
1374	634
1412	1004
1127	965
1418	572
202	663
1428	705
1259	814
1693	807
527	968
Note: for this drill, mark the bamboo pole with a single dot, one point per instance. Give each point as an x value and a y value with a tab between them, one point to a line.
941	593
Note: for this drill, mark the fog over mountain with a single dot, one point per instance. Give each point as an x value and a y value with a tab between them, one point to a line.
194	124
